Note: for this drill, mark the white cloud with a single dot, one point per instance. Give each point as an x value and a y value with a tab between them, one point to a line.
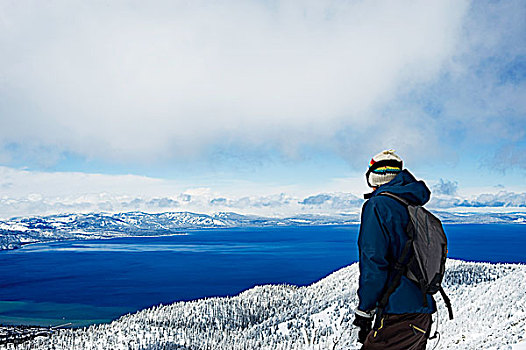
336	201
16	183
500	199
146	81
447	187
25	193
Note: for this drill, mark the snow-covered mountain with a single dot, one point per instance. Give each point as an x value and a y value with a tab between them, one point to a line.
18	231
488	300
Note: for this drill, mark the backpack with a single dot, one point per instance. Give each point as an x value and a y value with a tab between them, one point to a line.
423	258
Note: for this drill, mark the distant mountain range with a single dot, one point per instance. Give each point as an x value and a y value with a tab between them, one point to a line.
18	231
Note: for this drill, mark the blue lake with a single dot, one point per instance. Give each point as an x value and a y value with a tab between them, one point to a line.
93	281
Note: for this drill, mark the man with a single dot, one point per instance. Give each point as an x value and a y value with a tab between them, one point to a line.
406	319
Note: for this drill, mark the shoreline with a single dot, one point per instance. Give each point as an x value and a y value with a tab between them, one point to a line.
95	236
80	239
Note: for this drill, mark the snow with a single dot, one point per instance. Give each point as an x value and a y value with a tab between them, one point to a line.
218	222
283	329
488	300
13	227
300	221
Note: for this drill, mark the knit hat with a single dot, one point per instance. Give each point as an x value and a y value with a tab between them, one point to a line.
383	168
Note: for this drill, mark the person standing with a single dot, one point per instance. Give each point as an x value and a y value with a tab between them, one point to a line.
406	318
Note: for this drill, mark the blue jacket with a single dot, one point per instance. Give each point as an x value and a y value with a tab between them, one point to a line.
381	240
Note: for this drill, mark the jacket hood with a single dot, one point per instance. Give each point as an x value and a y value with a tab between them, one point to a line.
406	186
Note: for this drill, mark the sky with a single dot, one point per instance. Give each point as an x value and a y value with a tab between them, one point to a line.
269	107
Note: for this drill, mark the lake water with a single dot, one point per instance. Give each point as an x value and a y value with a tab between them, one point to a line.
94	281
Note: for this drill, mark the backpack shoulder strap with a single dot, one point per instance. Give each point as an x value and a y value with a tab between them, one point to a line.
447	302
394	196
400	268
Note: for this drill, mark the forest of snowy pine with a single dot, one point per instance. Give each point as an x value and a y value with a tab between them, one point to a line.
489	302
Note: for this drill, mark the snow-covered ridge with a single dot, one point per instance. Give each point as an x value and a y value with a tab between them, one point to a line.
17	231
488	300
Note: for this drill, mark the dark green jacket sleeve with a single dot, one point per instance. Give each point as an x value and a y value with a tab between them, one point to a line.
373	245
